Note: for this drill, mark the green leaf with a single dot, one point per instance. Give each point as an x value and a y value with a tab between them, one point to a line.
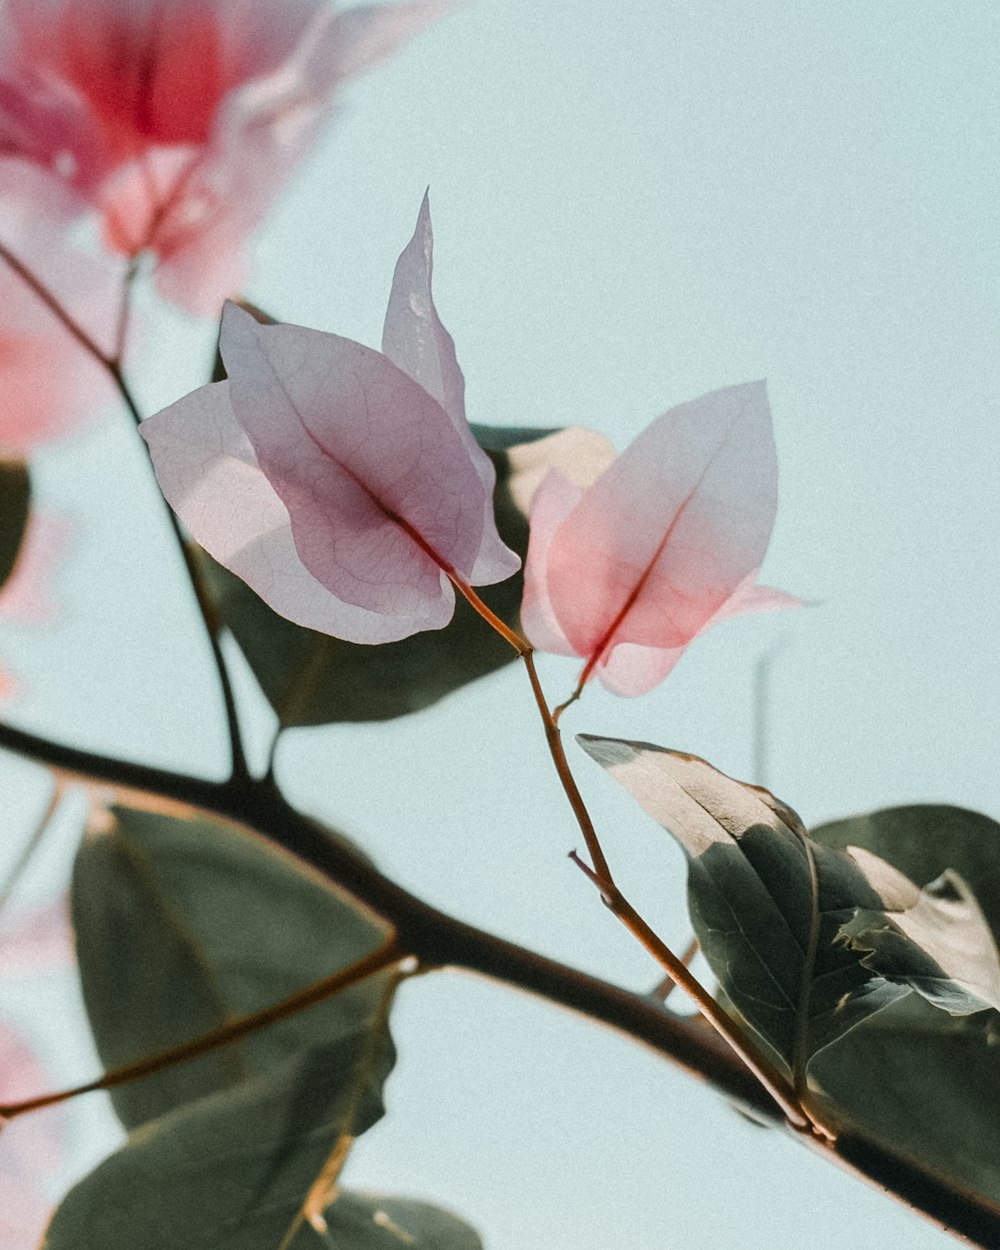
940	945
923	840
312	679
924	1082
805	940
15	505
230	1171
184	924
363	1221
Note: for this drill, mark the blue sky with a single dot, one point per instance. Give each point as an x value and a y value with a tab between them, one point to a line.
633	205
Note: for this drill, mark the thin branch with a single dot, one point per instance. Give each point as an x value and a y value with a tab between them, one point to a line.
765	1072
520	645
387	954
554	739
213	631
113	365
9	885
434	937
438	939
667	985
53	304
125	308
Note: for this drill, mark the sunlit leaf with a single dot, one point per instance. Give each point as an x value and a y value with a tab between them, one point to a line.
774	910
925	1082
183	925
923	840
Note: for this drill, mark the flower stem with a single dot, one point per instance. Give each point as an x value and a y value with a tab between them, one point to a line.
10	882
53	304
552	734
553	737
516	640
770	1078
389	953
438	939
765	1072
113	365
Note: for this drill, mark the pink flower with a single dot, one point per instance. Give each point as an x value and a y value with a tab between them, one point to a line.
30	1148
33	1147
342	484
49	383
179	120
663	541
38	940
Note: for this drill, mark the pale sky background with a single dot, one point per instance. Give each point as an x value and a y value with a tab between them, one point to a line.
633	204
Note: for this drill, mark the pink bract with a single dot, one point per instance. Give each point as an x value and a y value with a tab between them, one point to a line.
333	481
180	120
664	542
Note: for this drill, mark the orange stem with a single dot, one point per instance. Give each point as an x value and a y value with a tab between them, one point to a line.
389	953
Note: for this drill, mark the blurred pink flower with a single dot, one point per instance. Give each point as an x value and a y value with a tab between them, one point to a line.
33	1147
179	120
49	384
342	484
37	940
30	1148
626	568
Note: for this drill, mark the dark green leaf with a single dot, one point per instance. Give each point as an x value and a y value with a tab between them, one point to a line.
363	1221
230	1171
312	679
923	840
183	925
924	1082
774	910
15	504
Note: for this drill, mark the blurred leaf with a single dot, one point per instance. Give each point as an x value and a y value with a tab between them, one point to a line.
15	504
806	940
364	1221
229	1171
924	1082
312	679
183	925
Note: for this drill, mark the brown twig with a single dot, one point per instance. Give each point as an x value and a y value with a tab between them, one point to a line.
389	953
439	939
